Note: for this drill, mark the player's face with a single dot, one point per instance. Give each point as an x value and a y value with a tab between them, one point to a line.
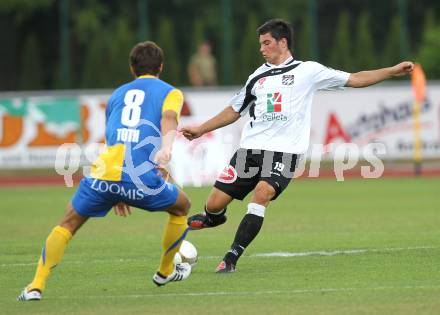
271	49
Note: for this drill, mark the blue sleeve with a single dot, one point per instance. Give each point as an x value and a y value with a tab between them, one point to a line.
109	106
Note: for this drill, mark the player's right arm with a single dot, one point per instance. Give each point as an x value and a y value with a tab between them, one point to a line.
222	119
238	106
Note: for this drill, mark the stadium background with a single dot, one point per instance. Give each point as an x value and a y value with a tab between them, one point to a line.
50	44
57	54
362	246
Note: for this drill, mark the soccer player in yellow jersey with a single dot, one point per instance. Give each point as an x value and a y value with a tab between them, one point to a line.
141	121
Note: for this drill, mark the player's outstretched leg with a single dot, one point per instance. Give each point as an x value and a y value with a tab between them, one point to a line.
247	230
249	227
53	250
174	233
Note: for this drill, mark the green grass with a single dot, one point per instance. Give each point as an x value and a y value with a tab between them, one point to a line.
107	268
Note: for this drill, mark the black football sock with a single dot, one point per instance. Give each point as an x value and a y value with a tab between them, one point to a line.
247	231
215	217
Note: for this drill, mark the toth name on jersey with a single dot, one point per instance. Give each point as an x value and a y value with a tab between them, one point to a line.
127	135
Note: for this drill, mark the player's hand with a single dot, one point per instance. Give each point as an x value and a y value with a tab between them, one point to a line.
122	209
165	174
163	157
402	68
191	133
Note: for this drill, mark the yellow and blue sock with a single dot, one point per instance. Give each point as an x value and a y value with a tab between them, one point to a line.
51	254
174	233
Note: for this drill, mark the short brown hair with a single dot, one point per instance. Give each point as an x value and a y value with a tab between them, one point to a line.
146	58
278	29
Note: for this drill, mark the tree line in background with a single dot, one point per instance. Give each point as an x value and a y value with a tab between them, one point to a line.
349	35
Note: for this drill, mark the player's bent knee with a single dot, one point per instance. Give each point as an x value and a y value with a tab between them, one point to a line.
263	193
214	205
177	212
181	207
186	206
72	221
265	189
217	201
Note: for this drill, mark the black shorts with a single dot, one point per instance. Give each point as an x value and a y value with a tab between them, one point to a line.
248	167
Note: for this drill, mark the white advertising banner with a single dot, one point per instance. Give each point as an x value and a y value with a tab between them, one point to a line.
32	127
380	115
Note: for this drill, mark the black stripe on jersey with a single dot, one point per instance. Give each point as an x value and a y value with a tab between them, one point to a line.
249	98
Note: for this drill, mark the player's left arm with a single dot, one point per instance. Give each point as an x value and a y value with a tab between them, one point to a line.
366	78
168	125
170	118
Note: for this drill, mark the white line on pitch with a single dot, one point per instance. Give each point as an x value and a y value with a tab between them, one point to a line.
273	254
332	253
339	252
250	293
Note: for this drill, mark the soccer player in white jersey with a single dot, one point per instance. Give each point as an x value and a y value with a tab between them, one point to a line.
277	101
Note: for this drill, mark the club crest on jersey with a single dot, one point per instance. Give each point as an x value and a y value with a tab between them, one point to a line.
228	175
288	79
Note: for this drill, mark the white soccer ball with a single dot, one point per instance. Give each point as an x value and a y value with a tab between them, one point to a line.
187	253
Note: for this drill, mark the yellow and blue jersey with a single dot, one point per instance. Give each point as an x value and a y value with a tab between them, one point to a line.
133	125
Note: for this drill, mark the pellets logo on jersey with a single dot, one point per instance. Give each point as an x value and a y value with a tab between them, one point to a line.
228	175
288	79
274	102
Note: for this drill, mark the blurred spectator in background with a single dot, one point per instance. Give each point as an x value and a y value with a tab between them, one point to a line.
202	67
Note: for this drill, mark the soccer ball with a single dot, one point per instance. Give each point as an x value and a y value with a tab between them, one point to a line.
187	253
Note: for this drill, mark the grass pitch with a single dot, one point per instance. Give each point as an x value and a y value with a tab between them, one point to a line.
326	247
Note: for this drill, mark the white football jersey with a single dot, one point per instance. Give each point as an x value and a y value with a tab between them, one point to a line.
278	100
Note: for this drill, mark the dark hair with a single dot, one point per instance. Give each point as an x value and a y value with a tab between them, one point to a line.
278	29
146	58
